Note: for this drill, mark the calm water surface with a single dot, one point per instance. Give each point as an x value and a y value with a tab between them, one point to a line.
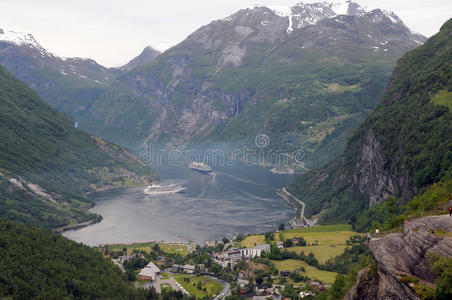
231	200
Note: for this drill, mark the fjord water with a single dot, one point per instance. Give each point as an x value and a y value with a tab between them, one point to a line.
231	200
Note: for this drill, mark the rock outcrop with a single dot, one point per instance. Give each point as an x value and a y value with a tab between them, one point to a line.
404	254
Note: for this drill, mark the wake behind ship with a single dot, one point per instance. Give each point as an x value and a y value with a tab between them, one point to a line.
200	167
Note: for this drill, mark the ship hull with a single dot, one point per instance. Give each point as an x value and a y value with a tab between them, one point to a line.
154	193
201	171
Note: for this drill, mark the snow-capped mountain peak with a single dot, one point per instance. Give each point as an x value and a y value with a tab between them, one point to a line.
21	39
303	14
18	38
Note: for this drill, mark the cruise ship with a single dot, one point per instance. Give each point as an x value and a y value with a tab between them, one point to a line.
200	167
156	189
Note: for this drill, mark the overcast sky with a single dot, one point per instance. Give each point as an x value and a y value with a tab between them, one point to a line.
114	31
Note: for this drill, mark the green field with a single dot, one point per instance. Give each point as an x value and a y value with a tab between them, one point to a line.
323	228
130	247
324	235
170	249
179	249
213	288
338	88
331	241
321	252
165	287
253	240
313	273
443	97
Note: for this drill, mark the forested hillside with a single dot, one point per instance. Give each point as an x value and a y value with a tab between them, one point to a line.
38	264
48	167
403	147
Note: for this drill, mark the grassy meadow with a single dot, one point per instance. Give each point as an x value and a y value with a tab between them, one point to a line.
212	288
313	273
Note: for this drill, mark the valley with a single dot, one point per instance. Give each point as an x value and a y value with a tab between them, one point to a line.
232	80
297	152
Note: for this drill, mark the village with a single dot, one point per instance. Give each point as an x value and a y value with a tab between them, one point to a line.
277	265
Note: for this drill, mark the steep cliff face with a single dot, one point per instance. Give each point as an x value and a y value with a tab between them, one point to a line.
402	147
404	255
376	176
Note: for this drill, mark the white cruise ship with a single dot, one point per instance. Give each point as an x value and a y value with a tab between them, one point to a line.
156	189
200	167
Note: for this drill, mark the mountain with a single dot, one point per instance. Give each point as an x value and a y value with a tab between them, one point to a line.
403	147
48	167
69	84
147	56
305	75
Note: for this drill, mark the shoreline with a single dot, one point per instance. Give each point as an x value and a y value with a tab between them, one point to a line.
142	239
99	217
76	226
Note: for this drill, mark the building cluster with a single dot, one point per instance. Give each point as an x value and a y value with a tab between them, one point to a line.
232	256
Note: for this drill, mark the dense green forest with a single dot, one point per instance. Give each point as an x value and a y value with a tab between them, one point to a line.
38	264
48	167
410	132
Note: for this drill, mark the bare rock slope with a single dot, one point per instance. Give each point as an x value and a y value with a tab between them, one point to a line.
404	254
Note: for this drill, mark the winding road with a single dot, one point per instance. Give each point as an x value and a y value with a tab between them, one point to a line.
283	193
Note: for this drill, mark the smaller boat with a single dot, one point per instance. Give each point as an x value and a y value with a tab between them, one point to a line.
200	167
156	189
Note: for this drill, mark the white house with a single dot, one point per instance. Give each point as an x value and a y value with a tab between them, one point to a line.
150	272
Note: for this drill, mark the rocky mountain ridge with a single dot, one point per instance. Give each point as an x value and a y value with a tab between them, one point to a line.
404	255
69	84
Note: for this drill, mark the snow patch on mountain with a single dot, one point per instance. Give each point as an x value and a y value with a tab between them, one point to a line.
282	11
304	14
340	7
391	16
